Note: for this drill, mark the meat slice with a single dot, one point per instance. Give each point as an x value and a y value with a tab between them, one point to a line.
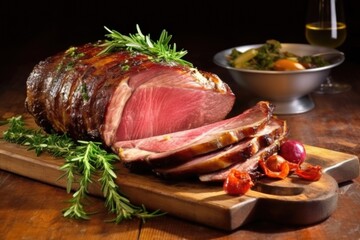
249	165
122	95
227	156
178	147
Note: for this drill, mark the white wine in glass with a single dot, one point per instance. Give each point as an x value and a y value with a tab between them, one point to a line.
325	26
325	34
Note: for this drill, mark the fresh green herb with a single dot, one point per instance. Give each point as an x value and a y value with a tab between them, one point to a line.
160	50
59	66
84	92
36	140
313	61
263	59
71	53
70	65
84	160
125	68
74	53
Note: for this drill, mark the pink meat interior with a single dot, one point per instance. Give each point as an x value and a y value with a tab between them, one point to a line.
166	100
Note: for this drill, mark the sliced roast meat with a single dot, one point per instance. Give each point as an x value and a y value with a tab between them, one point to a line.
122	95
249	165
165	116
227	156
178	147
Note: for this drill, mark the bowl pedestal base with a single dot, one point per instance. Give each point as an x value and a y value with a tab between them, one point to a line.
300	105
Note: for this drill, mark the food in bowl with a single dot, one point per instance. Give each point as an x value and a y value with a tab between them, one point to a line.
270	57
287	90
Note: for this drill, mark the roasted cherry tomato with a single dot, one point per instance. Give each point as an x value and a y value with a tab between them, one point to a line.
293	166
237	182
287	65
309	172
275	166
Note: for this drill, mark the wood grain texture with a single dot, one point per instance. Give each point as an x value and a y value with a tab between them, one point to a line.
297	201
31	210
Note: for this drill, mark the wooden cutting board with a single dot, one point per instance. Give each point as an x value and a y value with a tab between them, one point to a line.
289	201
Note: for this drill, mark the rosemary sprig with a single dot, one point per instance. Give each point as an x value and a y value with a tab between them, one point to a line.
160	50
83	161
56	145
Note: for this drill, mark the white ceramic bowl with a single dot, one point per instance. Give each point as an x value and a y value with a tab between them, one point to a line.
287	90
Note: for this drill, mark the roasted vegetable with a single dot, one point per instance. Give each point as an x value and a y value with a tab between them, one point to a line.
275	167
242	59
237	182
309	172
287	65
270	57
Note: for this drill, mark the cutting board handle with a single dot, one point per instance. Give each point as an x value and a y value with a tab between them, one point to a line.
295	201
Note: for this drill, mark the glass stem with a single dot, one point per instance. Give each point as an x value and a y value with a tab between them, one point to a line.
329	81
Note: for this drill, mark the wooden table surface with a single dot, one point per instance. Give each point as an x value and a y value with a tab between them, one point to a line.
32	210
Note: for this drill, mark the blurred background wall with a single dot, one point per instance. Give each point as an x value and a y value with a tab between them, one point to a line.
33	30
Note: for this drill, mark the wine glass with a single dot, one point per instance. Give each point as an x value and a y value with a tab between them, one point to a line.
325	26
